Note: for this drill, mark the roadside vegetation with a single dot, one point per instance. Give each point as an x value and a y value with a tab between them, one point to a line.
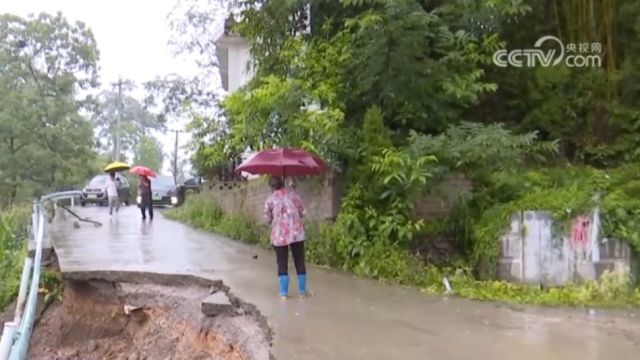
49	121
14	224
328	247
397	95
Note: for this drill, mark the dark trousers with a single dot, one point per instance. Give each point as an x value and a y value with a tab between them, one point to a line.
144	207
282	258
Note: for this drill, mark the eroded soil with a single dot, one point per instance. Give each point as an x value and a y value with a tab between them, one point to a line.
166	323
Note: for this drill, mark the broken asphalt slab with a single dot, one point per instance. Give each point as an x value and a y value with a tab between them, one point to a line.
217	304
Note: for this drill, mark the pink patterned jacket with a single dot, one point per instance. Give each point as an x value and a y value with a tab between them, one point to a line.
284	211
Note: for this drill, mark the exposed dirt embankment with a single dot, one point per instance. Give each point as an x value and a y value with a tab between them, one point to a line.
139	319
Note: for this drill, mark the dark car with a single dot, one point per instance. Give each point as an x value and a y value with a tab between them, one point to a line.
165	191
95	191
193	184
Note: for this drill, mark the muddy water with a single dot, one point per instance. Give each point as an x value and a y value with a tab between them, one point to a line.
348	318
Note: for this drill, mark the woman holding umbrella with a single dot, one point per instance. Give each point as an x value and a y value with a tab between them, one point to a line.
284	209
144	190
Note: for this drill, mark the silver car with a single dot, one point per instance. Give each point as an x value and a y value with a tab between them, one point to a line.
95	190
165	191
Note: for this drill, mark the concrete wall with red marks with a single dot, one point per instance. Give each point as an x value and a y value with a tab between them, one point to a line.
533	252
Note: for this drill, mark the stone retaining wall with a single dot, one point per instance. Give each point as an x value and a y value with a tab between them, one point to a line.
322	197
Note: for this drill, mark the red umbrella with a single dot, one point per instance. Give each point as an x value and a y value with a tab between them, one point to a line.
143	171
283	162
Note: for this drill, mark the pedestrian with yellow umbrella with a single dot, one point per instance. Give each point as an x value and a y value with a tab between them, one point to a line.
117	166
112	185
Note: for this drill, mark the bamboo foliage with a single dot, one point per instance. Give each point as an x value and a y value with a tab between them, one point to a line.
589	21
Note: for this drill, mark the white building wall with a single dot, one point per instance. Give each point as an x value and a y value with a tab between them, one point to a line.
239	57
234	59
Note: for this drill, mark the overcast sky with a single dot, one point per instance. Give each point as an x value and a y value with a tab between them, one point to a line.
132	37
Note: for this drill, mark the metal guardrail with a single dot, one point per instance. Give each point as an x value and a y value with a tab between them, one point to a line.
16	336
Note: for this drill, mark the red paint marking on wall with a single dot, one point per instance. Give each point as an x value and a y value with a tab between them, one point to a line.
580	232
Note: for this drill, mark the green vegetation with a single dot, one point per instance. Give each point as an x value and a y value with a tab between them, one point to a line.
135	126
48	69
51	286
14	223
566	193
405	94
203	214
13	247
47	115
149	152
328	246
46	59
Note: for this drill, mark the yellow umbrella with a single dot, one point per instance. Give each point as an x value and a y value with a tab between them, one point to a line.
117	166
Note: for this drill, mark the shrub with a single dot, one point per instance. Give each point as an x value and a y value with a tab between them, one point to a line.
204	213
13	234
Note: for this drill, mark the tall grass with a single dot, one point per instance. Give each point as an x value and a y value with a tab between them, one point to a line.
13	245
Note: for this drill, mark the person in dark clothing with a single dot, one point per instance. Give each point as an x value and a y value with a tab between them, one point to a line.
144	191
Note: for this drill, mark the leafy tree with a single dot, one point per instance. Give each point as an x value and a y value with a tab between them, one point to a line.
481	150
396	83
213	156
194	27
44	141
420	71
369	59
592	111
175	96
149	153
135	124
413	67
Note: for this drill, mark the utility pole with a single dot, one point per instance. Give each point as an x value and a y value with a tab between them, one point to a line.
175	156
119	119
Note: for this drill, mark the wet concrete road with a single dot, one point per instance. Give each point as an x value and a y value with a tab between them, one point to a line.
348	318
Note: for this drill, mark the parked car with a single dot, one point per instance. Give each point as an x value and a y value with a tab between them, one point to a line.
194	184
165	191
95	190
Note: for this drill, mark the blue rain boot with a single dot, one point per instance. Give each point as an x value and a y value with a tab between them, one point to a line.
284	285
302	285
